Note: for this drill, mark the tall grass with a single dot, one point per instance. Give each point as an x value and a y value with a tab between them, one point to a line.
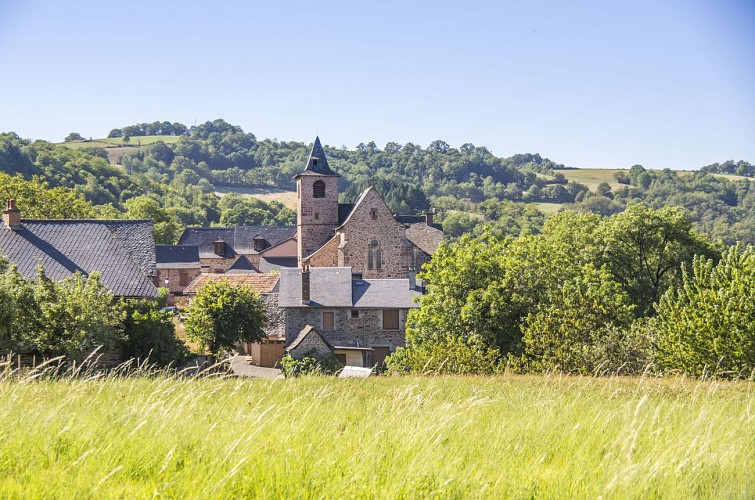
505	436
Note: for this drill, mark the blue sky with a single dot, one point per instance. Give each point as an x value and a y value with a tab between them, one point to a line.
588	84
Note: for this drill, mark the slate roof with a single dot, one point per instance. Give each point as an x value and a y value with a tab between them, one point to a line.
177	256
334	287
239	239
242	265
268	264
307	330
384	293
426	238
344	210
329	287
262	283
317	163
66	246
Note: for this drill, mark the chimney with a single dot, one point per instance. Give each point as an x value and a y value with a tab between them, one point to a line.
305	285
12	215
429	217
412	279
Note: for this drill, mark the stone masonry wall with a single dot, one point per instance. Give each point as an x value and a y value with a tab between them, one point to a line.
276	324
361	230
366	331
174	278
317	217
326	256
311	345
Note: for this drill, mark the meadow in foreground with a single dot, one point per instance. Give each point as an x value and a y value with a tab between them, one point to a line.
505	436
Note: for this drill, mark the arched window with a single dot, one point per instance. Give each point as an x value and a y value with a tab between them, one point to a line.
318	189
378	259
374	255
369	258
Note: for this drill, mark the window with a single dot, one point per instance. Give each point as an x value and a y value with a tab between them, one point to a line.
378	259
183	279
390	319
314	162
373	213
259	244
328	321
369	258
355	314
318	189
317	215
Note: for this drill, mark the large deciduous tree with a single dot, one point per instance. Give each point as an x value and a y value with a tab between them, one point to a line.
223	314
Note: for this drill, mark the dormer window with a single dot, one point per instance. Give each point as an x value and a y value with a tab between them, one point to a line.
314	162
259	244
219	247
318	189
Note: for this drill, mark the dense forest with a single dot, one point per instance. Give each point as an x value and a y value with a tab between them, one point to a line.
471	190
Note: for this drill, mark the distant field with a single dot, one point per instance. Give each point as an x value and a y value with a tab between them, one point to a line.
287	198
548	208
118	141
591	177
433	437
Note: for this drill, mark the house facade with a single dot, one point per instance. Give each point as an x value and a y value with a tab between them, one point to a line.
364	320
177	266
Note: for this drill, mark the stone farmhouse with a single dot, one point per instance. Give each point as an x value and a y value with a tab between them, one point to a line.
122	251
177	266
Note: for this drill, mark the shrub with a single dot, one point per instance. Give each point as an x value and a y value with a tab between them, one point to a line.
444	354
151	333
309	365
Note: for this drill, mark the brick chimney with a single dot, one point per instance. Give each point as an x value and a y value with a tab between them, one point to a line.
305	288
12	215
429	217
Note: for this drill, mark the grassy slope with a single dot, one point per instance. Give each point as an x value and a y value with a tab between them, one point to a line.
287	198
118	141
410	437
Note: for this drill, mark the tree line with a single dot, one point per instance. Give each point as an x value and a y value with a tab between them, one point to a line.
639	290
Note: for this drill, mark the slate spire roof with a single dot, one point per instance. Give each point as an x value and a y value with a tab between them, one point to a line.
317	163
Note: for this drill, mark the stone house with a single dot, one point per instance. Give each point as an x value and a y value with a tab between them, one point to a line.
362	320
122	251
177	266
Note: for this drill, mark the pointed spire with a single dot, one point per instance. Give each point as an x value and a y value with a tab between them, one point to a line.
317	163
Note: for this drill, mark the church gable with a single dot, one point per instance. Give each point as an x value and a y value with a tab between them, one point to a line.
374	242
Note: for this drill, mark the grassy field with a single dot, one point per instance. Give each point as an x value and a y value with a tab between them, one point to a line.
591	177
118	141
445	437
287	198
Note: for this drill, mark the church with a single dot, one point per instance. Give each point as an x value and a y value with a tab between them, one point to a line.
356	280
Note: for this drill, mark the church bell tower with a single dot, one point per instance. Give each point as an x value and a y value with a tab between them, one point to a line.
316	203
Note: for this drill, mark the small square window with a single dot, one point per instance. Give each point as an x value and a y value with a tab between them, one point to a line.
355	314
328	321
390	319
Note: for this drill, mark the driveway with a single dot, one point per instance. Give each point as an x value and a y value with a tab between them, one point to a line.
242	368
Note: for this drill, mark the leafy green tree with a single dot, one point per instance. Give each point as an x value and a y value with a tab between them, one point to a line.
18	310
456	224
223	315
73	136
445	354
75	314
645	249
707	323
167	228
150	333
582	329
37	200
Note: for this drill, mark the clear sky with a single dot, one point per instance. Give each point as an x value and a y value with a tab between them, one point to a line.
588	84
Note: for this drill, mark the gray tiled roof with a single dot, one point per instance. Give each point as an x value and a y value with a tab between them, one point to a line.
329	287
242	265
426	238
268	264
177	256
387	293
344	209
307	330
334	287
239	239
64	247
137	238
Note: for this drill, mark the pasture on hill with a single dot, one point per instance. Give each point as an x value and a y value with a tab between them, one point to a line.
266	194
315	437
114	142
